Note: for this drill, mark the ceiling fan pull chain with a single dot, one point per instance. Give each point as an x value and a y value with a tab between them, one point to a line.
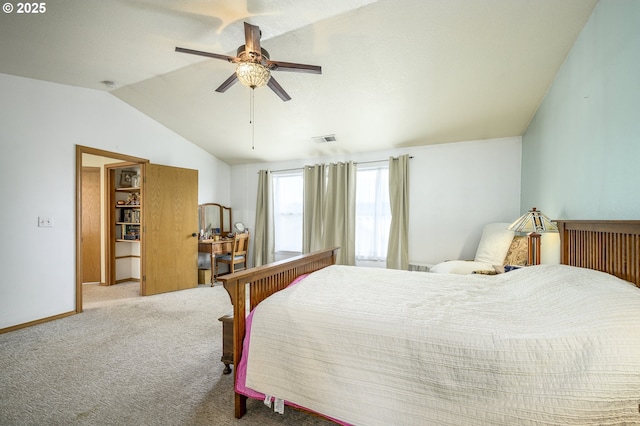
252	119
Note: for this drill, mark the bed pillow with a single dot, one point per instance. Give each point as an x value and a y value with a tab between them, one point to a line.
494	244
462	267
518	252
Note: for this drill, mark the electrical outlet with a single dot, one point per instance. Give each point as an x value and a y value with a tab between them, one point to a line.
45	221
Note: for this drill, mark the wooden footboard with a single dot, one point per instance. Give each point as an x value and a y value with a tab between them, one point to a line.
256	284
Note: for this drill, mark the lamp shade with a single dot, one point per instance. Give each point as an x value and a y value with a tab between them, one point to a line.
533	221
253	74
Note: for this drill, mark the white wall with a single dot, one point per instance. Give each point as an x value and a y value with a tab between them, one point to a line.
40	125
455	189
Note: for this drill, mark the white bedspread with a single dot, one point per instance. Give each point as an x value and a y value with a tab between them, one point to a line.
544	344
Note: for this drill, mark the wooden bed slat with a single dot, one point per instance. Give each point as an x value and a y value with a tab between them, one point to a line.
607	246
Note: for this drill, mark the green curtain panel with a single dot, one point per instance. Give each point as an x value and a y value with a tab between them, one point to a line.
398	249
314	198
330	209
264	241
340	212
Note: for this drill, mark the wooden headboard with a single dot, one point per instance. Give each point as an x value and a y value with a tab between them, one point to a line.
611	246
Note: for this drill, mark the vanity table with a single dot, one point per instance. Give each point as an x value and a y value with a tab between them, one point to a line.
213	247
215	219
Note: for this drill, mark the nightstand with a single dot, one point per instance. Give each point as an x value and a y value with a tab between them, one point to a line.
227	341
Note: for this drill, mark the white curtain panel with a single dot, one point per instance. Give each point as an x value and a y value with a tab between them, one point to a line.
373	214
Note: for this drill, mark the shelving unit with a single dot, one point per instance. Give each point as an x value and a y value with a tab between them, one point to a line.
127	223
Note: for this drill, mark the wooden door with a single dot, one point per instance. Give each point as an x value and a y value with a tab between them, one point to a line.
169	218
90	234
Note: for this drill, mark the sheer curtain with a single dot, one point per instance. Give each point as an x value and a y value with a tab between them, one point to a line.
340	211
288	208
263	234
398	249
314	199
373	215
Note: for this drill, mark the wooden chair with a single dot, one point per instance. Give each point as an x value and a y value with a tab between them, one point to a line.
238	255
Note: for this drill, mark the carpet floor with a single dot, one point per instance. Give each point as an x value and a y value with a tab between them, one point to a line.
128	360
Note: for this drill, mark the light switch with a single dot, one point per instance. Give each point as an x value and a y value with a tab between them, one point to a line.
45	221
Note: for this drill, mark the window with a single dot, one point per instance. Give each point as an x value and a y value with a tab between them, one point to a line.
373	213
287	211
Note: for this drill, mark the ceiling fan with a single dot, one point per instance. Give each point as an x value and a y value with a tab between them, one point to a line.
254	65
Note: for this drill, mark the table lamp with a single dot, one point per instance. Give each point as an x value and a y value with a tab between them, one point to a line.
533	223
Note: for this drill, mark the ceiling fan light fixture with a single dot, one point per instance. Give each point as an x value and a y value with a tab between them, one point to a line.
253	74
253	64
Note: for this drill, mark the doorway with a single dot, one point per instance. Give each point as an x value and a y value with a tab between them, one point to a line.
85	256
169	227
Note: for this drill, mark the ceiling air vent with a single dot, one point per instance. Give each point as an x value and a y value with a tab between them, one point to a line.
324	139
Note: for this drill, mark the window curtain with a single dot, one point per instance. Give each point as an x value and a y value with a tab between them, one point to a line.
314	199
330	209
340	211
398	248
263	234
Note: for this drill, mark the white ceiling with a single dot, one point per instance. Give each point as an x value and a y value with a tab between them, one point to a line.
396	73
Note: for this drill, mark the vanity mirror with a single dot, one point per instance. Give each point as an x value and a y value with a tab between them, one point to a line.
214	219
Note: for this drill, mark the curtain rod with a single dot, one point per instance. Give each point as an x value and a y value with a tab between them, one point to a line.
356	162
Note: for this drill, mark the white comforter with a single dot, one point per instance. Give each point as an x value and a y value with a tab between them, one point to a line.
544	344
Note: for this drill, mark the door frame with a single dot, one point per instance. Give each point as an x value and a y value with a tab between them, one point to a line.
80	149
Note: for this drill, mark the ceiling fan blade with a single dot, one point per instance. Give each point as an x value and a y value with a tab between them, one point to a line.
291	67
252	38
227	83
207	54
275	86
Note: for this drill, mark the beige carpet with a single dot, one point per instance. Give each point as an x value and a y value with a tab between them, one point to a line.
127	360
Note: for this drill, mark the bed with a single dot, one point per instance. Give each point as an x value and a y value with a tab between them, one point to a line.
495	361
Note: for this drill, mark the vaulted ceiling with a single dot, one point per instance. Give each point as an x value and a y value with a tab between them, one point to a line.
395	73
